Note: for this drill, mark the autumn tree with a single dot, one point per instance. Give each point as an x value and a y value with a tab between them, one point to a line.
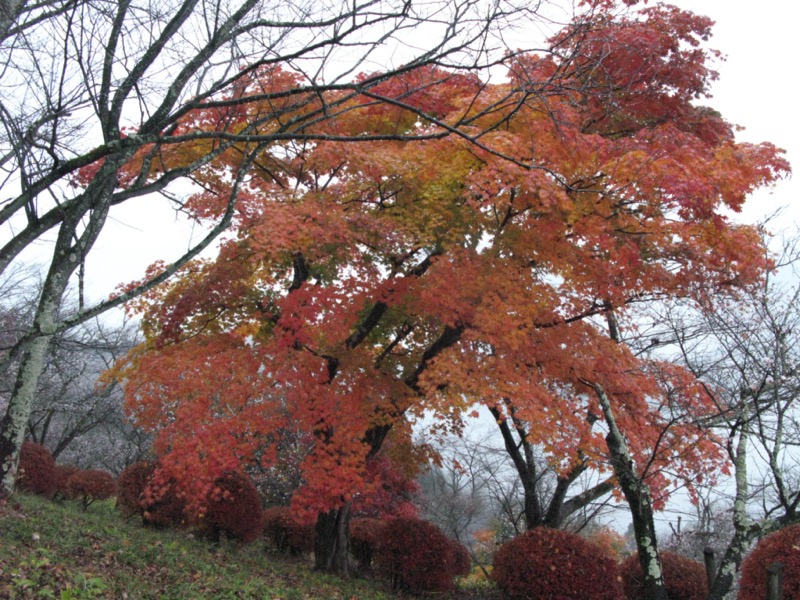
368	285
89	84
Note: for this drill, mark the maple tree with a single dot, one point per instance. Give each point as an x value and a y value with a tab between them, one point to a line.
367	285
88	86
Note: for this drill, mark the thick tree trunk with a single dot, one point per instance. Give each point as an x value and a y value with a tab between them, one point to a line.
14	423
332	541
638	498
78	233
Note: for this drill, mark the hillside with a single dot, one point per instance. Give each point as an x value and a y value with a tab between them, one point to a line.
53	550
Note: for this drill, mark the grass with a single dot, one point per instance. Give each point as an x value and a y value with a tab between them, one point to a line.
53	550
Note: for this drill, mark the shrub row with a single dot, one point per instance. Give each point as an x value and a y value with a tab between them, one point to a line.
39	474
547	563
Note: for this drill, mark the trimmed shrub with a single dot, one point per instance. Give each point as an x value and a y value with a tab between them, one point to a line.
159	505
62	475
286	532
364	537
416	556
37	470
547	563
131	484
462	561
684	578
782	546
234	510
91	485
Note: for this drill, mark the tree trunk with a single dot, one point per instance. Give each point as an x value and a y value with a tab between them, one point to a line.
76	236
14	423
638	498
332	541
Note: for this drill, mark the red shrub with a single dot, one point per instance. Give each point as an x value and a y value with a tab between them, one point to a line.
547	563
37	470
62	475
782	546
131	484
286	532
684	578
158	505
234	509
90	486
417	556
462	564
364	537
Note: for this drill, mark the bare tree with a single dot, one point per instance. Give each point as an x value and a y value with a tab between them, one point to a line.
79	419
746	349
93	83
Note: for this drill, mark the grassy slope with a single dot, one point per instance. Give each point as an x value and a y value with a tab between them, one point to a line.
52	550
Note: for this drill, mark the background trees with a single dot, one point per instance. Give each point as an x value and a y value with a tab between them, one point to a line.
744	347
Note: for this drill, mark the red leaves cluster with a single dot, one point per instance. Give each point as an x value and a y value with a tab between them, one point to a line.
684	579
418	557
548	563
288	531
781	546
91	485
37	470
234	510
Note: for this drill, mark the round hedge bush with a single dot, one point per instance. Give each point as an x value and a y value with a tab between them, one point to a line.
782	546
91	485
547	563
234	509
131	484
63	473
159	505
416	556
37	470
286	532
462	562
684	578
364	535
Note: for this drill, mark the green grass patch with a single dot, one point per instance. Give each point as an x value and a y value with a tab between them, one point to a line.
53	550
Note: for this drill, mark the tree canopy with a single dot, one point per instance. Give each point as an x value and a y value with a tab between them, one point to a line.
368	283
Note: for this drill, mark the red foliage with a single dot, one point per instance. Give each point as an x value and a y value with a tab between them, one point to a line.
548	563
685	579
365	534
391	492
234	509
140	494
782	546
37	470
63	473
91	485
287	532
131	484
371	277
417	556
462	560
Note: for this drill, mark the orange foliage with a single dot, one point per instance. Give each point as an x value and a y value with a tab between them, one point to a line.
366	283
